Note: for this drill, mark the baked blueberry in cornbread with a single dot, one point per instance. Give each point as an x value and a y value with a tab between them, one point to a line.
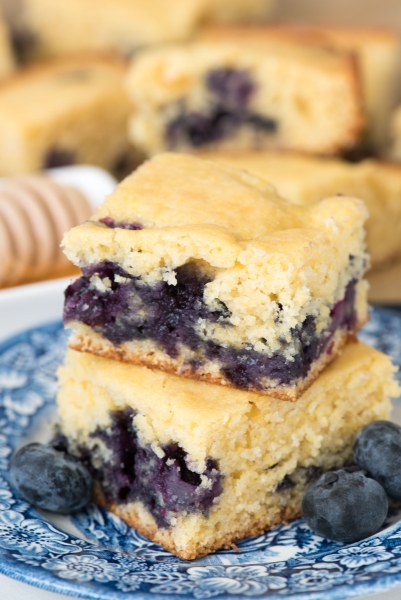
256	94
204	271
77	113
377	51
196	466
306	179
54	28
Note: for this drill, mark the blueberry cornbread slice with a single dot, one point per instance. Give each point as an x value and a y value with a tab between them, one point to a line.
195	466
305	180
202	270
54	28
77	113
252	95
376	49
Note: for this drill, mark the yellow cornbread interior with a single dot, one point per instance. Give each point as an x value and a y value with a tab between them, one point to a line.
256	440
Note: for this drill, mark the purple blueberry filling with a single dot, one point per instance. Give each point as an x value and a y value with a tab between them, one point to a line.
109	222
56	157
168	315
135	472
230	91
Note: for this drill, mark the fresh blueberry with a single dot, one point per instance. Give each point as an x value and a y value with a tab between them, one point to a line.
345	506
377	450
50	479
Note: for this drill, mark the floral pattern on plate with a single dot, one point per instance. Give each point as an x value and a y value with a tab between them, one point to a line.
112	561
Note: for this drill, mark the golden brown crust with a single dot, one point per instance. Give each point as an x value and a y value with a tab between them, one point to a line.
102	347
164	538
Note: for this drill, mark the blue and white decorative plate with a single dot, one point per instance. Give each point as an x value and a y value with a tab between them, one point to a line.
96	555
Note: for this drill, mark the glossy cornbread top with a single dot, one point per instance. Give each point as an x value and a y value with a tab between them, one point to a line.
183	197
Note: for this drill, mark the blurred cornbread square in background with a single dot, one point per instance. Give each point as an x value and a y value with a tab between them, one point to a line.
204	271
307	179
50	28
256	94
377	51
65	112
7	62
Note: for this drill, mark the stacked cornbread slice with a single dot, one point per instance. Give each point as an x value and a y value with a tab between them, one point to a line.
204	271
196	271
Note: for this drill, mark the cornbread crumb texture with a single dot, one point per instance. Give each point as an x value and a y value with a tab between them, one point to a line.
256	440
47	28
77	113
306	180
260	248
377	50
285	96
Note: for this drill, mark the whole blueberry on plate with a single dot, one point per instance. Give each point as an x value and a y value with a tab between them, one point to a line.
50	479
377	450
345	506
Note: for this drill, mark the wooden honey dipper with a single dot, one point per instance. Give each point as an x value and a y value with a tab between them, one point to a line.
35	211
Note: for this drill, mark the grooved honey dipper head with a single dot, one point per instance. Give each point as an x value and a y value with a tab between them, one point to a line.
35	212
